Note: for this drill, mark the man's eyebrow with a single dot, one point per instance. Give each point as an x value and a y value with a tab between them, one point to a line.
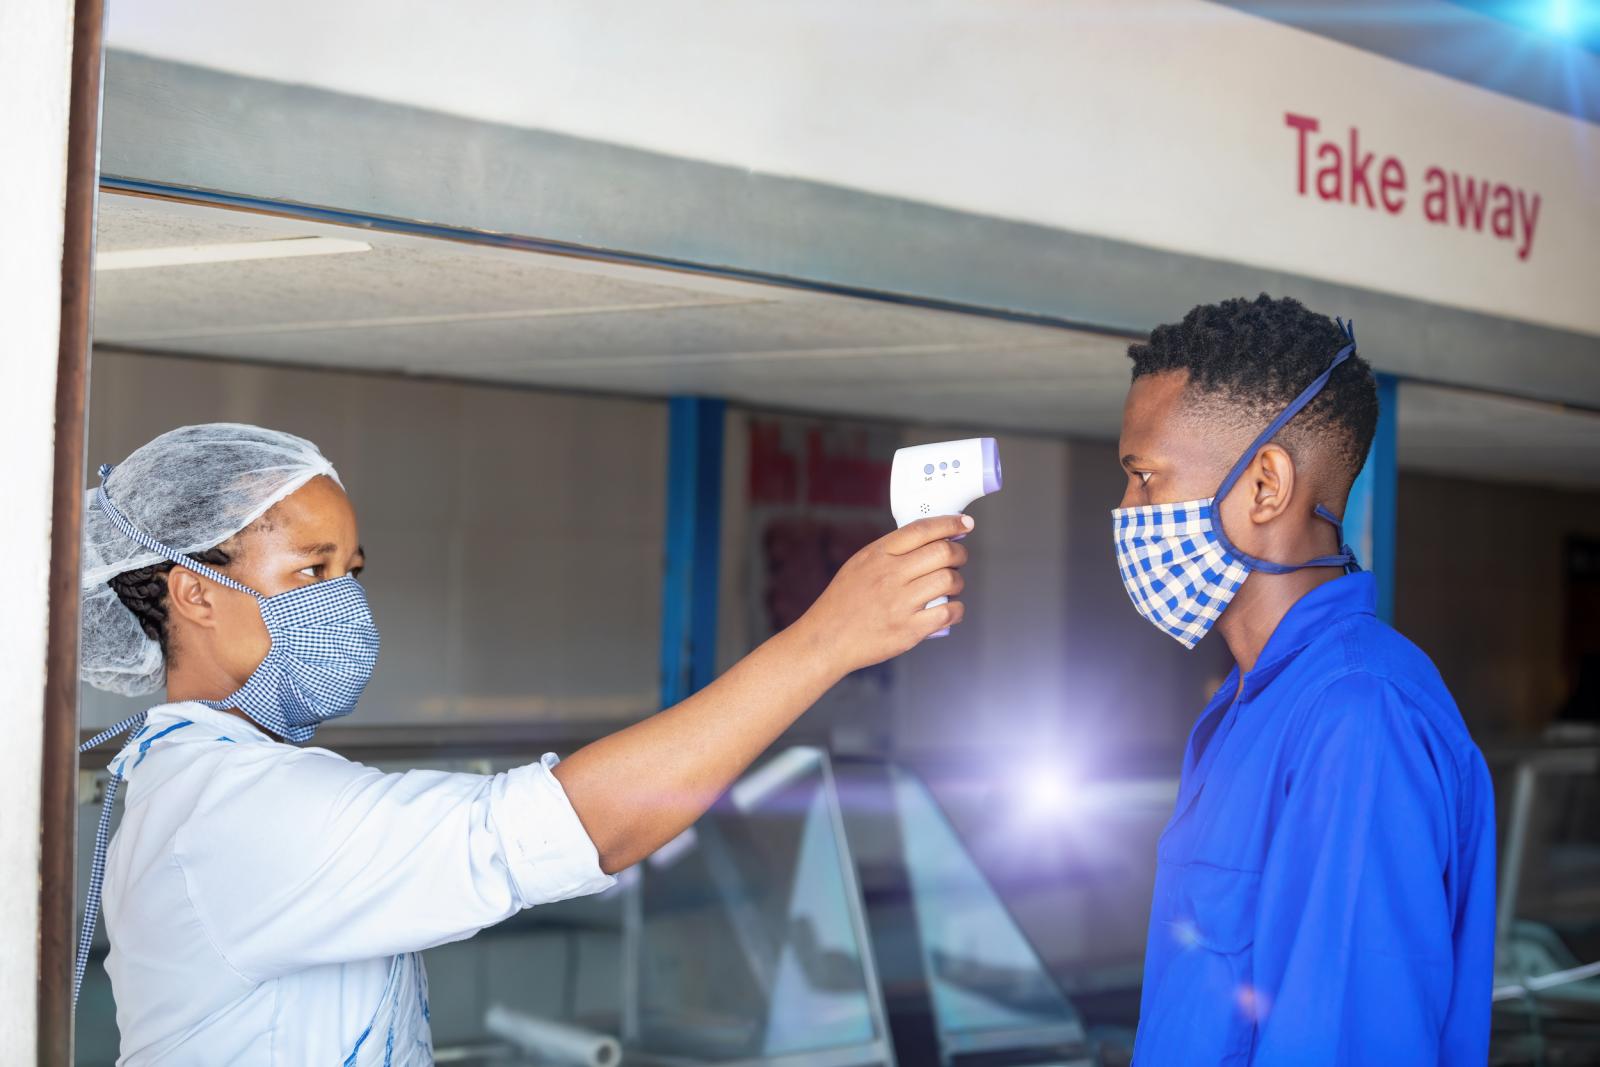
1130	460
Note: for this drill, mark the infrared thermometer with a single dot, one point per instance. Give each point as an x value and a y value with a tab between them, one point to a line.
942	479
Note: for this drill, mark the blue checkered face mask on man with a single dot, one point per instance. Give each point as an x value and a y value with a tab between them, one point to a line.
324	643
1177	563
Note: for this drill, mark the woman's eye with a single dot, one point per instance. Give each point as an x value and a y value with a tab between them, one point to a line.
311	571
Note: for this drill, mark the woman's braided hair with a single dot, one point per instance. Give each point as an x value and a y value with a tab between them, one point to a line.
144	592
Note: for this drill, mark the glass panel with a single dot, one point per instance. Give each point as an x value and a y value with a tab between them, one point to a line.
1549	807
983	973
1558	889
1561	868
748	943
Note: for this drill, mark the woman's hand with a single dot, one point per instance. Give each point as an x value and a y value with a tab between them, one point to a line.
875	607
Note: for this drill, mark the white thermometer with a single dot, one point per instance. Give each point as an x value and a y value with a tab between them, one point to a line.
942	479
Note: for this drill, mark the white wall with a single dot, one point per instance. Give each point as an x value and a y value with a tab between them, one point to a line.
513	537
35	67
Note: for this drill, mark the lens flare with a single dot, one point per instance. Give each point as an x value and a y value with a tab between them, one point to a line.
1047	792
1558	17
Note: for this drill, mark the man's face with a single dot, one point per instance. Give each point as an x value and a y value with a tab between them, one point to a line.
1169	456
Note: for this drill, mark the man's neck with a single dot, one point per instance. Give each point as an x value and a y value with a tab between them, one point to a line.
1260	605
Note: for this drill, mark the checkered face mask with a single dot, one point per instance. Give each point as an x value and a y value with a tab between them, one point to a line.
1174	567
324	644
1177	563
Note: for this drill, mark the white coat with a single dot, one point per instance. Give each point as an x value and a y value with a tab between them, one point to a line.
266	903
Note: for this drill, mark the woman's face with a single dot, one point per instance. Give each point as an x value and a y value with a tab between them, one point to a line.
309	536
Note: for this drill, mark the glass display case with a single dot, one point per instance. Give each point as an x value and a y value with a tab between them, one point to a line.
1547	980
823	914
961	982
826	913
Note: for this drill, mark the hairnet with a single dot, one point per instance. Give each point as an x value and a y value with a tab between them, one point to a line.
191	488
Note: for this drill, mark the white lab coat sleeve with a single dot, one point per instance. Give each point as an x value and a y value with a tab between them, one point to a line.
298	858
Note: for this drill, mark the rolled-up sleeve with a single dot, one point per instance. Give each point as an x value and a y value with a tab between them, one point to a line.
303	859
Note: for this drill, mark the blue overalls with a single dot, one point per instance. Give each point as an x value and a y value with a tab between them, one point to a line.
1325	887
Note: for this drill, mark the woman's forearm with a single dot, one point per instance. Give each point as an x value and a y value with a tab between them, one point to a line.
642	786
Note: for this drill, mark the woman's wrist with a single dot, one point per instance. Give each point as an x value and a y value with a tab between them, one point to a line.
816	647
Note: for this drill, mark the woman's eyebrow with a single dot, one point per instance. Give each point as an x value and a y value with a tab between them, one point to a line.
325	548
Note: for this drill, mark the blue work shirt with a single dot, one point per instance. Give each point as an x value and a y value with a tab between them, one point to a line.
1325	888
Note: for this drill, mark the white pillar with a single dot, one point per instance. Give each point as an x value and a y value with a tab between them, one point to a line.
36	41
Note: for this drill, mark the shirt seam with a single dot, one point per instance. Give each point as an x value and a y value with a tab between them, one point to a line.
1356	664
1401	686
200	919
1219	867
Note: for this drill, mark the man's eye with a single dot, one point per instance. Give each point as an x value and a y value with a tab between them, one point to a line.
1144	476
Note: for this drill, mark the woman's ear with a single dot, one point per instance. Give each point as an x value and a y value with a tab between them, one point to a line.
1272	483
189	599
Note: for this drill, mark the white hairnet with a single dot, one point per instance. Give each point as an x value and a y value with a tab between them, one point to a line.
191	488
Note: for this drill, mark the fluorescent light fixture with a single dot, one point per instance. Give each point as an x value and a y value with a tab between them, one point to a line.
233	252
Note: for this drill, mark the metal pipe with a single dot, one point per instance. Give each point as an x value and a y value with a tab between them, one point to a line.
1540	983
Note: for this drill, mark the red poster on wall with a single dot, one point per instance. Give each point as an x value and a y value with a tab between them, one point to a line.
818	492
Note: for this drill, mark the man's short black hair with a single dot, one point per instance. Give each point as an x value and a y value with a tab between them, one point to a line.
1247	361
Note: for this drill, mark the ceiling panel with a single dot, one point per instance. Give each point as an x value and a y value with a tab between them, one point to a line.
400	281
743	339
421	306
1475	435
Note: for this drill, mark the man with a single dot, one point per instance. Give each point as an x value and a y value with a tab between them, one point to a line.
1325	888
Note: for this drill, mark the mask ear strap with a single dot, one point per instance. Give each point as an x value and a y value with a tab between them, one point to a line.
144	540
1345	557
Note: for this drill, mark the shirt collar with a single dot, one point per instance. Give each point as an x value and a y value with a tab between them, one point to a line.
185	720
236	727
1309	618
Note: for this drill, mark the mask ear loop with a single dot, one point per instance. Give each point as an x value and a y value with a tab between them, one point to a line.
144	540
1346	557
132	725
102	836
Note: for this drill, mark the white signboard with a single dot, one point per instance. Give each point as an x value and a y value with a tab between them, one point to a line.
1176	124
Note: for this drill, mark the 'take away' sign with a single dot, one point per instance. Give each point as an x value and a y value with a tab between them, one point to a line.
1449	198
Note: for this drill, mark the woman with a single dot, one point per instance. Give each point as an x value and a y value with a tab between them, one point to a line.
265	902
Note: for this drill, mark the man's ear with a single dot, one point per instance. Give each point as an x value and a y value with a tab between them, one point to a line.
189	599
1272	483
